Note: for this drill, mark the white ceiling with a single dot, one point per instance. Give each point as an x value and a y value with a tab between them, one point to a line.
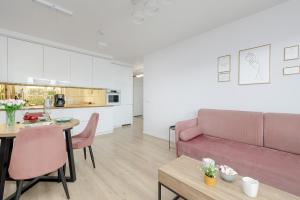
126	41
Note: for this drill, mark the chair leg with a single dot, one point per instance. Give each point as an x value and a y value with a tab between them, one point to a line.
64	182
92	156
19	189
84	151
64	169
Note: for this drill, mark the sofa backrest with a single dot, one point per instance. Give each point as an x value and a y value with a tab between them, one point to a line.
240	126
282	132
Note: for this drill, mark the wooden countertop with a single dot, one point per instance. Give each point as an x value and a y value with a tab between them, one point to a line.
4	132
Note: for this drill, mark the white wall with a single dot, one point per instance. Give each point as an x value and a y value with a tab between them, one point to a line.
182	78
138	96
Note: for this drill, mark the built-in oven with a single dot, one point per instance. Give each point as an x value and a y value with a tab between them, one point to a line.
113	97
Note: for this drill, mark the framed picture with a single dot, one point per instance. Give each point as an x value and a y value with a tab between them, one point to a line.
254	65
291	70
224	63
224	77
291	53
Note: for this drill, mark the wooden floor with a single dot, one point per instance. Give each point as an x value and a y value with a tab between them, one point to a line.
126	169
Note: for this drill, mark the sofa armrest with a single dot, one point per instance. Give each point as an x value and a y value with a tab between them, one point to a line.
183	125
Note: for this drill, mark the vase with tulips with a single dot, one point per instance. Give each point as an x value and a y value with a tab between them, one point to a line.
10	106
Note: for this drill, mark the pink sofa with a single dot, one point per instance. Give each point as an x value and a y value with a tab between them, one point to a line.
265	146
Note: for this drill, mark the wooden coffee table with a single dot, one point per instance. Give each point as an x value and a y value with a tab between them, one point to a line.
184	177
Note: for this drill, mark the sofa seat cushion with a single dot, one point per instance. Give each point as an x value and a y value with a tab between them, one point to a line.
190	133
277	168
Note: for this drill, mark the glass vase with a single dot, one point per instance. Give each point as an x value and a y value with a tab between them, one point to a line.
10	119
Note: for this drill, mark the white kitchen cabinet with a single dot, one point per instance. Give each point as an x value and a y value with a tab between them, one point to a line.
126	114
103	74
25	61
3	59
81	70
117	116
105	124
56	65
124	82
123	115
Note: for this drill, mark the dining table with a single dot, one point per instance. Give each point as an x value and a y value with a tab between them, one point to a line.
7	137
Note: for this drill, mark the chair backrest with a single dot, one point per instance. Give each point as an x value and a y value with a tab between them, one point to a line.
91	127
37	151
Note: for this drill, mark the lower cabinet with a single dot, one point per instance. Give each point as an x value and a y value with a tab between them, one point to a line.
105	124
123	115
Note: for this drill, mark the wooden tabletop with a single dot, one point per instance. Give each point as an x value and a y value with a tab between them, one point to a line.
185	177
4	132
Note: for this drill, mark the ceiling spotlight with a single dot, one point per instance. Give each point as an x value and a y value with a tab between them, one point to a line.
143	8
151	7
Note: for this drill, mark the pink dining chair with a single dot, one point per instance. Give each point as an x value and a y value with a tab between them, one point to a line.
36	152
86	137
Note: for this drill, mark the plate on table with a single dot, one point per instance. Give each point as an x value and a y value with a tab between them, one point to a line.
63	119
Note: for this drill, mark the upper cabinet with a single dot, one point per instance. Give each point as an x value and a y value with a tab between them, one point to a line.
103	74
124	82
3	59
81	70
25	61
56	65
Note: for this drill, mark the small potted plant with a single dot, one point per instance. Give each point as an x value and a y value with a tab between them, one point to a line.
210	172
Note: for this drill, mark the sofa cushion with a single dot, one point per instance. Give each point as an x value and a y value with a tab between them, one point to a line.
282	132
277	168
240	126
190	133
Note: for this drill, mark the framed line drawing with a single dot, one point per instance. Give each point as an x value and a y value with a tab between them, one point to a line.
291	70
224	77
224	63
254	65
291	53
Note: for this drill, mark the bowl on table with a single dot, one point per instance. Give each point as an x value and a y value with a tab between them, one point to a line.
63	119
227	173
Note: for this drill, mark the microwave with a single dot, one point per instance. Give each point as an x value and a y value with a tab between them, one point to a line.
113	97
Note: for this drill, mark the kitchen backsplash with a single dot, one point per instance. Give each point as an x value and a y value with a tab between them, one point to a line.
35	95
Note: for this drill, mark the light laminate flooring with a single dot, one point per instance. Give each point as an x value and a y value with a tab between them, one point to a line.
126	169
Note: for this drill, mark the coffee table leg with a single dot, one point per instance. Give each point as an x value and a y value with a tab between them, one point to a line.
159	191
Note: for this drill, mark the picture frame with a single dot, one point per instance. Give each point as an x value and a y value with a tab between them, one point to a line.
255	65
291	70
224	63
224	77
291	53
